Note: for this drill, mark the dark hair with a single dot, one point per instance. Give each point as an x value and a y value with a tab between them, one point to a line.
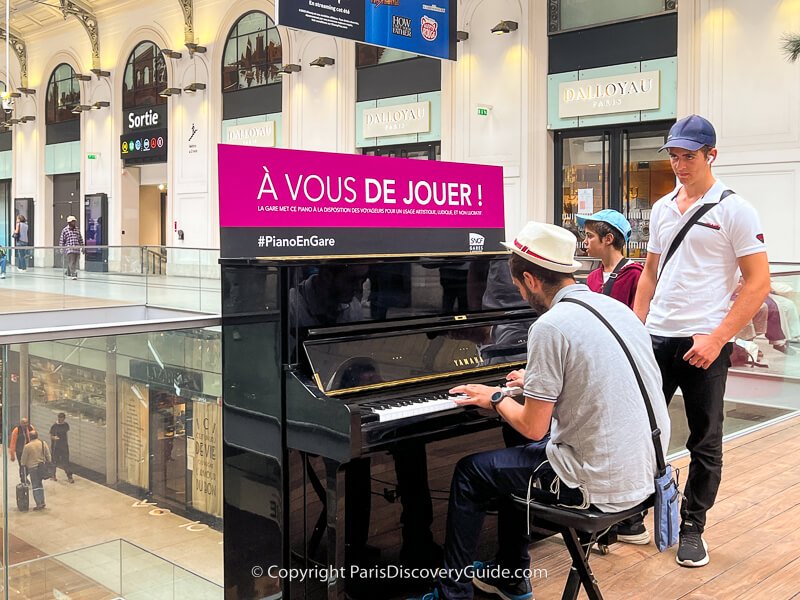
549	279
62	416
602	229
33	435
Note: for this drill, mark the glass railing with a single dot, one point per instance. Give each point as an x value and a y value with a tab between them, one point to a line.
53	278
116	569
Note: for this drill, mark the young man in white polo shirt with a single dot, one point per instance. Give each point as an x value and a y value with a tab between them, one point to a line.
683	301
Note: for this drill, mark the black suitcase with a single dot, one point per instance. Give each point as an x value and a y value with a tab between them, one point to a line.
23	497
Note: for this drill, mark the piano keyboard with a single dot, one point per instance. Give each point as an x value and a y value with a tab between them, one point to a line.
403	408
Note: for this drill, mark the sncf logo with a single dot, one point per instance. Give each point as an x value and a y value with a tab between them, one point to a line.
476	242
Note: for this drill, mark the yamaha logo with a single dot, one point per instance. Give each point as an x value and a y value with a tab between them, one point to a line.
476	242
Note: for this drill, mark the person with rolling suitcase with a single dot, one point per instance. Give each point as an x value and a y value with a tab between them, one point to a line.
23	497
20	435
35	457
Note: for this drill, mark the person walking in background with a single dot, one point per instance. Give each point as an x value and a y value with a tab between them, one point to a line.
3	261
20	435
71	241
59	439
20	241
606	234
712	235
34	456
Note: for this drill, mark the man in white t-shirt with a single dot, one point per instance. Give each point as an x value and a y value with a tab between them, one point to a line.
582	404
683	299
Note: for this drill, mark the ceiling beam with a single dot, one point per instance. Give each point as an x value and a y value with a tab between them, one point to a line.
89	22
21	50
188	20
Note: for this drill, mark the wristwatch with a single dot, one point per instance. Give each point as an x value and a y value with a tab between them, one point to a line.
498	397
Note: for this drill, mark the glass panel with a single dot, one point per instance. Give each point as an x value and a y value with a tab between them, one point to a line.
584	13
584	180
145	77
646	177
253	53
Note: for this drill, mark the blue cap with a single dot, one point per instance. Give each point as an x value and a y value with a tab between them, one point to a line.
692	133
614	218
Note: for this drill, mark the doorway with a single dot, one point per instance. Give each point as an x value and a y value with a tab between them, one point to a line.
426	151
168	462
6	219
612	167
66	202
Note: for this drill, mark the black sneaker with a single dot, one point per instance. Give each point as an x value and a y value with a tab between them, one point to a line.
487	579
633	531
692	548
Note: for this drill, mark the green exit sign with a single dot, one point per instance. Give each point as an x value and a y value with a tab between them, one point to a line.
483	112
92	156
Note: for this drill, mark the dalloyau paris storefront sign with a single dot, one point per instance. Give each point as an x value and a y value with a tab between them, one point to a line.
279	203
620	93
400	119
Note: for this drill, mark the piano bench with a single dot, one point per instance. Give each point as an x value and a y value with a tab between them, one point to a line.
580	528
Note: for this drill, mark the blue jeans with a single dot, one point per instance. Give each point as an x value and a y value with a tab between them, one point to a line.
479	481
22	256
3	262
36	484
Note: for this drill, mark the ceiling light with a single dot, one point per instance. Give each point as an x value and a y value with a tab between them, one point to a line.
13	121
79	108
505	27
27	91
462	36
322	61
171	53
81	77
100	104
27	119
195	49
291	68
100	73
170	91
194	87
13	95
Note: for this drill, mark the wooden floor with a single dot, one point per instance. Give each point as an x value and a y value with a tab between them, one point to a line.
13	301
752	534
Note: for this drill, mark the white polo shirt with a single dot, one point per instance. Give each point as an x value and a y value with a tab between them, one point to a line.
694	291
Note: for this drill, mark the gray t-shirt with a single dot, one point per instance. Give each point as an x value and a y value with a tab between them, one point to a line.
600	436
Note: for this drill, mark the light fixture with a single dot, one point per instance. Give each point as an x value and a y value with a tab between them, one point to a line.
100	73
27	91
323	61
82	77
100	104
27	119
195	49
194	87
291	68
170	91
505	27
13	121
13	95
79	108
174	54
462	36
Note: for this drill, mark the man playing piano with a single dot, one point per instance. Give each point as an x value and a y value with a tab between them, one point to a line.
582	404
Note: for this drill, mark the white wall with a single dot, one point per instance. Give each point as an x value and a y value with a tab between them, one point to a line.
732	70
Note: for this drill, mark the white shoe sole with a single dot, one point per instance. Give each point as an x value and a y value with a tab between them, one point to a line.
640	538
692	563
490	589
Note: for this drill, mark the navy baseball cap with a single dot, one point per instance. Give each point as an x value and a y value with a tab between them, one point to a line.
614	218
692	132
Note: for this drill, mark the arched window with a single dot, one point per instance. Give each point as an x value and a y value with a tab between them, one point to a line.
63	94
253	53
145	77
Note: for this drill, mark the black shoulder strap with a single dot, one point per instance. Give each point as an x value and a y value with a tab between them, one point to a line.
612	278
676	241
660	463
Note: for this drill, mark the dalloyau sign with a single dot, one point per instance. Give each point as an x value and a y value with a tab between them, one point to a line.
605	95
279	203
400	119
254	134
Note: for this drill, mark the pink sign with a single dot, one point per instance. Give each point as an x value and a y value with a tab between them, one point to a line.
275	188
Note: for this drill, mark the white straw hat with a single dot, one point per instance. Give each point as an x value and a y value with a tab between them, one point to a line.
549	246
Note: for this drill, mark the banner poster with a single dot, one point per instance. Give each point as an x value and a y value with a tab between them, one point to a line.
426	27
295	203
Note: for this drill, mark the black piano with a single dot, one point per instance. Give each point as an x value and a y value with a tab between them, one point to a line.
336	381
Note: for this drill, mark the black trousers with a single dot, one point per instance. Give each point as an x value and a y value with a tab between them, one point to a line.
703	392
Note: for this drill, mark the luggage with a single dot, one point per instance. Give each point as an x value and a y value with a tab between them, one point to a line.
23	497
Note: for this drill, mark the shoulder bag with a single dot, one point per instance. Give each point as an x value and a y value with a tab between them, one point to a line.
666	518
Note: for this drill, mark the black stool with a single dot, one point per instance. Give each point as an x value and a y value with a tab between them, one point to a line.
578	526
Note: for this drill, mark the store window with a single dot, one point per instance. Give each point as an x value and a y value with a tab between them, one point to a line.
253	53
63	94
577	14
145	77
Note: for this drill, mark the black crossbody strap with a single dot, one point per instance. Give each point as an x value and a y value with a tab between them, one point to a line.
676	241
656	432
612	278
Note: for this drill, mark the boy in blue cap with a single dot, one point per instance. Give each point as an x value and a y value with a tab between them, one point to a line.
606	234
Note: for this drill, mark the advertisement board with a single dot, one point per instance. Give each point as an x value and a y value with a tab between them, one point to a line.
426	27
277	203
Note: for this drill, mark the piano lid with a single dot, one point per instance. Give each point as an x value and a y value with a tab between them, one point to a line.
389	358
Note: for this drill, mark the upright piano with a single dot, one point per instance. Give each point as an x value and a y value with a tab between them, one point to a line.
332	364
